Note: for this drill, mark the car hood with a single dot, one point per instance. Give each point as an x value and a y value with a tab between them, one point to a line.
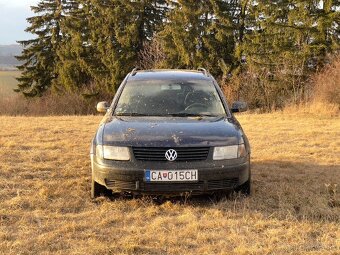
170	132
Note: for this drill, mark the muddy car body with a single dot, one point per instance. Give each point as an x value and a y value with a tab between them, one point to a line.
170	132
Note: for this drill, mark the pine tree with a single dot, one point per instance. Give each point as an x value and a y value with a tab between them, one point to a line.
40	54
200	33
72	73
118	30
79	43
327	37
287	42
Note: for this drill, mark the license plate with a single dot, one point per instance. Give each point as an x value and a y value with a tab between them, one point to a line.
171	175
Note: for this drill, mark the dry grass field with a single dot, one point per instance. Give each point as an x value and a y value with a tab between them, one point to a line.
45	205
8	83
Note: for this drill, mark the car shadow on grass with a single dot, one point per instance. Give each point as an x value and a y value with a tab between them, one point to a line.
279	189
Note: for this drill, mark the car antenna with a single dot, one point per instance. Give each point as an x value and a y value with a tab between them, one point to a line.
134	71
203	70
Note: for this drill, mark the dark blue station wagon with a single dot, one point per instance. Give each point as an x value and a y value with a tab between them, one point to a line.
170	132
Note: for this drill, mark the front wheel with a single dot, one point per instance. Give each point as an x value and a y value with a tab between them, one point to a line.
245	188
98	190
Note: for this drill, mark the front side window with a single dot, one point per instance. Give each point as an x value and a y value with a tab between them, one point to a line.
166	97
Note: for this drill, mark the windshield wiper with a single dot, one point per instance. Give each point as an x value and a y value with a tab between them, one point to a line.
183	114
131	114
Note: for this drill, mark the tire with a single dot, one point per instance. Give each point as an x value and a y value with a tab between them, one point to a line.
98	190
245	188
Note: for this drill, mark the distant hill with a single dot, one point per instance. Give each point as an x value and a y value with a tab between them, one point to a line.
7	56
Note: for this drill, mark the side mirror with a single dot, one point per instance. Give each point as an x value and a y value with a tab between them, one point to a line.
239	106
103	107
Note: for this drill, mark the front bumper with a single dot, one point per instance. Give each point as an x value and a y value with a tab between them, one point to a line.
212	175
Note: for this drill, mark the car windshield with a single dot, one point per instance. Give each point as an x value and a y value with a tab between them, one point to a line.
169	98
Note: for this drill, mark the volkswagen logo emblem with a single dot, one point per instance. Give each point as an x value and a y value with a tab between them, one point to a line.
171	155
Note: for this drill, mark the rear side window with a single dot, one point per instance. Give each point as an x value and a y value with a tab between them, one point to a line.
166	97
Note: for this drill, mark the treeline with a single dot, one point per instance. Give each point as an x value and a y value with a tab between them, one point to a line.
261	51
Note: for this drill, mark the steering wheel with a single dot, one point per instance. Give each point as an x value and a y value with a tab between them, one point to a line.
195	105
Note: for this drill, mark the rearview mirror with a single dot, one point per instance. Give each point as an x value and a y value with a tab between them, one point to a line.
239	106
103	107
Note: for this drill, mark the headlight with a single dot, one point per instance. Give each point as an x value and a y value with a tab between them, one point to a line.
226	152
229	152
112	152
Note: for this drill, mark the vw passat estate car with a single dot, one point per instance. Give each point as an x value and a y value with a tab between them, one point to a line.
170	132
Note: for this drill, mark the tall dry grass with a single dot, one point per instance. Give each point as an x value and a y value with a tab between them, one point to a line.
313	108
50	104
324	97
45	205
327	83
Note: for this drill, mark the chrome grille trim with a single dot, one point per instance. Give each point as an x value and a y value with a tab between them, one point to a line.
183	153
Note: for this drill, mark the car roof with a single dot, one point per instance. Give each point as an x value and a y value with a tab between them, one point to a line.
168	74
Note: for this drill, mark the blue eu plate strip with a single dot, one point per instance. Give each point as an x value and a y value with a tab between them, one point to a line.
147	175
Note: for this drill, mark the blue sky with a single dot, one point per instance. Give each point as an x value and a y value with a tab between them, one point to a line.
13	14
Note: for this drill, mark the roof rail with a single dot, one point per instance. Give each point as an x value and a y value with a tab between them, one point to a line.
134	71
203	70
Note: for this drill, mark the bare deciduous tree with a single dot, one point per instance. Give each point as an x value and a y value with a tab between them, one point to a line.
152	55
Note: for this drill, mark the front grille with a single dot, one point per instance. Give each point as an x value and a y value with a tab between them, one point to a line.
199	186
183	154
222	184
191	186
173	187
124	185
